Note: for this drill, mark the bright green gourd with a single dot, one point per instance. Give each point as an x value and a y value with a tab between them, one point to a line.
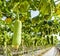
16	41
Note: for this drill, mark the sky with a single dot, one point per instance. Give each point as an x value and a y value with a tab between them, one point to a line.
57	2
34	13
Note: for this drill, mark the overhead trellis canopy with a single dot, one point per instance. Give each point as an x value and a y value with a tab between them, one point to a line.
40	25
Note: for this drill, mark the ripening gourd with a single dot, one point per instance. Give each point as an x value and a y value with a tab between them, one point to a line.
8	20
57	10
16	41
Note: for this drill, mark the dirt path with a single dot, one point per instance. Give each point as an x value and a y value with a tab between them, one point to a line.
36	53
52	52
58	53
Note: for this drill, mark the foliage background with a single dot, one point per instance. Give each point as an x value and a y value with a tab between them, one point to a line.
37	30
